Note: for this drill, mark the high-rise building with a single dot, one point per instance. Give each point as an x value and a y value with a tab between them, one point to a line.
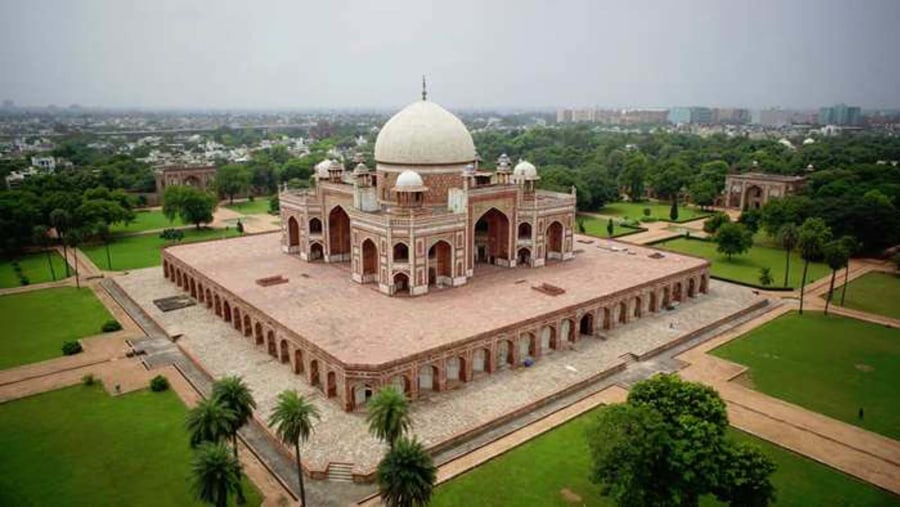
840	114
771	117
693	115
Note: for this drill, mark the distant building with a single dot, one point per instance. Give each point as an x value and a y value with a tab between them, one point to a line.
771	117
563	115
730	116
753	190
200	176
840	114
44	163
690	115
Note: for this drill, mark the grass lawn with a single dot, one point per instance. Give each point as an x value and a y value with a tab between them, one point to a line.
146	220
658	210
257	206
745	268
80	446
35	324
142	251
874	292
832	365
34	267
594	226
536	472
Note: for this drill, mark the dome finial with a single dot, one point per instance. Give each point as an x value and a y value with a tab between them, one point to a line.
424	91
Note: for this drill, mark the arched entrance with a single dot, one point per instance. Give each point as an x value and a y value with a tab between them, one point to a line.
586	326
315	226
331	385
505	354
653	307
338	235
754	197
361	395
524	230
316	252
481	361
401	383
259	334
314	373
226	311
209	300
285	352
692	288
491	239
638	306
191	181
440	264
401	284
456	369
548	339
237	319
247	328
193	288
293	232
369	262
566	331
523	257
401	252
623	312
428	376
554	241
298	362
676	293
270	340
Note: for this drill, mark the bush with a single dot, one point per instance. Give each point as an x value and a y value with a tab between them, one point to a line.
71	348
111	325
648	212
159	384
172	235
23	280
712	224
89	379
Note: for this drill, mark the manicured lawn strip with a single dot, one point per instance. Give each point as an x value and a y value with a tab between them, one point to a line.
34	267
258	206
658	210
594	226
745	268
874	292
146	220
142	250
535	473
37	323
828	364
80	446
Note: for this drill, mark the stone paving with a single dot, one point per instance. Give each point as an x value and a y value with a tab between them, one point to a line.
342	437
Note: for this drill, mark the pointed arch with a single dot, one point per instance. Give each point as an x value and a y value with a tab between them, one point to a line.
293	232
338	234
491	237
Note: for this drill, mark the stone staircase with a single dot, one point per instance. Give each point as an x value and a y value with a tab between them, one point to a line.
340	472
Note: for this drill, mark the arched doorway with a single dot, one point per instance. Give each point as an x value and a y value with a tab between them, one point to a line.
491	239
692	288
401	384
331	385
704	284
638	306
481	360
293	232
554	241
548	339
401	284
586	326
666	298
440	264
193	288
607	318
369	261
456	369
226	311
237	319
191	181
676	293
505	354
209	300
401	252
623	313
218	306
428	376
270	340
524	230
315	226
754	197
248	330
285	352
200	293
566	331
314	373
338	235
259	334
361	395
316	252
653	307
523	257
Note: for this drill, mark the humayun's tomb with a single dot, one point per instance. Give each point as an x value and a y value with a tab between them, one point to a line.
425	272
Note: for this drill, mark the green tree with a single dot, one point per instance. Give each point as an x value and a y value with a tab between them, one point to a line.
673	211
811	239
711	225
610	228
765	277
293	418
60	218
73	237
733	239
633	176
667	445
209	421
751	219
837	257
40	239
787	237
216	474
233	179
406	475
236	396
851	246
703	193
388	415
101	229
193	205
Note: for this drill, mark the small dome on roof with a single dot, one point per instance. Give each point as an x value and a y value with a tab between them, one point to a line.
525	170
809	140
360	169
409	181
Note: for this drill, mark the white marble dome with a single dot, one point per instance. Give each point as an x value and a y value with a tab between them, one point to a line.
409	181
424	133
323	167
525	170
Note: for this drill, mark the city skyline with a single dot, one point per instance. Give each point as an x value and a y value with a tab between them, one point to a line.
166	55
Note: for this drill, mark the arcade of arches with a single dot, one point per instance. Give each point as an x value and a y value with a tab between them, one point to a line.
456	365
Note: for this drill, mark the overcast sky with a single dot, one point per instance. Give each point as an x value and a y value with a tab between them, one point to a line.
476	53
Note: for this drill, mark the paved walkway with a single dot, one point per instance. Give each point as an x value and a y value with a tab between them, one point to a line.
657	231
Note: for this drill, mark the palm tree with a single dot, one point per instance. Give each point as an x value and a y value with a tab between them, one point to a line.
811	239
836	257
209	421
388	415
101	228
406	475
787	236
234	394
293	421
39	233
73	238
851	246
60	220
216	474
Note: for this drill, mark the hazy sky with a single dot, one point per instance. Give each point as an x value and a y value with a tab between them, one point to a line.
476	53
